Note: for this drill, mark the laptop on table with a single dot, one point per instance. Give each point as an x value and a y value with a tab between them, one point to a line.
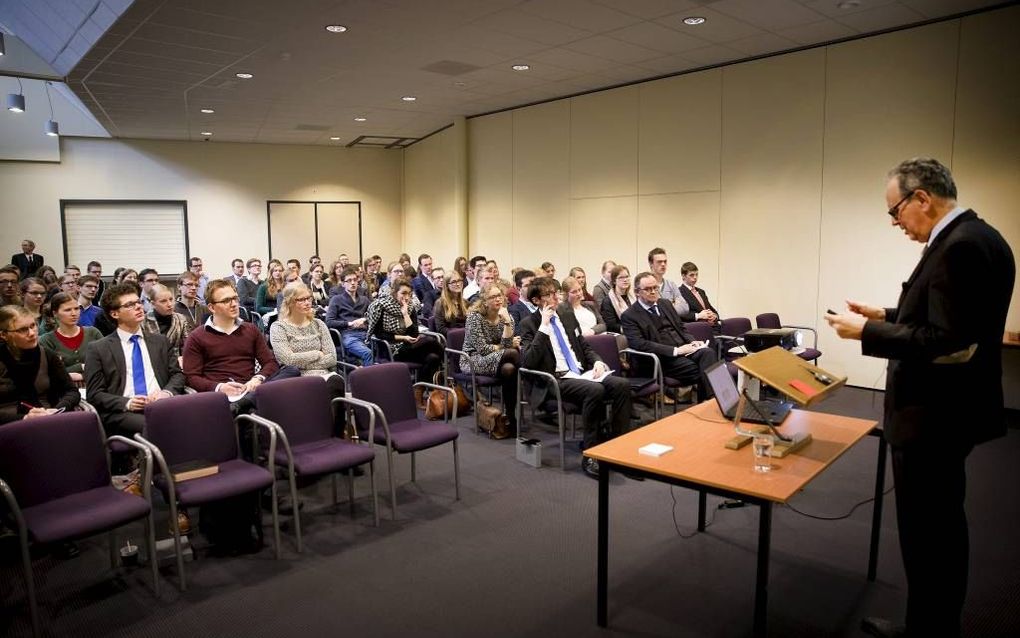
727	396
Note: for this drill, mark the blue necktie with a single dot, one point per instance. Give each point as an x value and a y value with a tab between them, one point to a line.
138	367
567	353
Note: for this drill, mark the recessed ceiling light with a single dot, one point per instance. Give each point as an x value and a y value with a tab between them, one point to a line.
207	111
694	20
207	133
520	67
360	119
244	76
409	98
336	28
335	138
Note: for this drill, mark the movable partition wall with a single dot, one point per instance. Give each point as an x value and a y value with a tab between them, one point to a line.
300	229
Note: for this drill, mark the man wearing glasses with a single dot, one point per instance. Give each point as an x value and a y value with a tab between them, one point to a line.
195	267
95	269
431	294
88	288
248	286
346	313
656	327
148	278
188	303
9	292
943	340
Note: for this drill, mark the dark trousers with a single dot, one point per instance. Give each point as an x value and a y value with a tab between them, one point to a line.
592	397
690	370
931	484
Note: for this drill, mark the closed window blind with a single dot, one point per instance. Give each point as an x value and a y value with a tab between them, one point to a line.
134	234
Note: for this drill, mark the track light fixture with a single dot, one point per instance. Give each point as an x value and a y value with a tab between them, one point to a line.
52	126
16	101
3	49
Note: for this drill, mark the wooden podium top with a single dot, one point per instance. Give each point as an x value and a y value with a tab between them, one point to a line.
699	434
777	368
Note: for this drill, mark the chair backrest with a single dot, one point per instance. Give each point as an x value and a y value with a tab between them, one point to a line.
432	323
387	385
454	341
735	326
605	346
192	427
301	406
768	320
700	330
51	457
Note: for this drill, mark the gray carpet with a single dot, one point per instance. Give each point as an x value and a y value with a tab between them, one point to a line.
515	557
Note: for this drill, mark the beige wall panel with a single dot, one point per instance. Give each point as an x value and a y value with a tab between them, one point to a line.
292	231
491	187
226	187
986	145
431	223
541	194
771	186
338	233
604	143
680	130
884	104
600	228
686	225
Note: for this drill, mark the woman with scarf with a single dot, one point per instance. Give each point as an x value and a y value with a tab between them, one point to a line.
163	320
618	299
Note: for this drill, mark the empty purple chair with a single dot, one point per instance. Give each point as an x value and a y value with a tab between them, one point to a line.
606	347
388	390
731	342
454	350
55	479
771	320
301	409
200	427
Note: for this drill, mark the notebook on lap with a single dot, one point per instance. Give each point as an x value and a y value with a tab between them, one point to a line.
727	396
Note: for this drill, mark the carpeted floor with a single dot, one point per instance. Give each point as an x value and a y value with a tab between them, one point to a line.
515	557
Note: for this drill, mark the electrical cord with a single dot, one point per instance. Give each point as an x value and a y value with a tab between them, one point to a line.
676	524
839	518
698	416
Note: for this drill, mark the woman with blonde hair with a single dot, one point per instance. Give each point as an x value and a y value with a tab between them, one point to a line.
588	316
450	310
490	346
265	296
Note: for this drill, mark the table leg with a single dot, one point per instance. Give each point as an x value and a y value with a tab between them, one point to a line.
701	510
876	512
761	587
603	546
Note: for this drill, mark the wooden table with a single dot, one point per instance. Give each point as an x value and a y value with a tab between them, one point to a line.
700	461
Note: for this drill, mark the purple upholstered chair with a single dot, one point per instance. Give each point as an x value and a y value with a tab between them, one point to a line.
771	320
454	350
700	330
606	347
301	409
557	404
388	389
55	479
731	342
200	427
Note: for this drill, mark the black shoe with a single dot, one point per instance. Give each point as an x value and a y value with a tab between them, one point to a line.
590	467
66	550
882	628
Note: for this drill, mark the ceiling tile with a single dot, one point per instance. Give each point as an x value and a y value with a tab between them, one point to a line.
718	27
768	14
649	9
712	55
612	49
818	32
657	37
941	8
530	27
884	17
581	14
762	44
832	9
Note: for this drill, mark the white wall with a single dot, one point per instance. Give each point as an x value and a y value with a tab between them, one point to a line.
769	174
226	187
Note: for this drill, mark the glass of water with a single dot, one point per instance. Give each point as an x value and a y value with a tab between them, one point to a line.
762	447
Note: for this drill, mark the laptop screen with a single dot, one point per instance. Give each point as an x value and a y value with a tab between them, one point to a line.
723	387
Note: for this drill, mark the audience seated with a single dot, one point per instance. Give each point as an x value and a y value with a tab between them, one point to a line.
313	261
471	284
49	277
428	304
68	284
317	285
265	296
10	292
88	287
409	272
551	342
394	271
491	347
33	381
579	275
522	307
248	286
188	303
450	310
701	308
651	326
618	299
668	290
236	274
483	278
548	270
588	316
196	268
148	277
68	339
95	269
604	285
33	297
423	282
394	319
164	321
27	261
125	274
346	313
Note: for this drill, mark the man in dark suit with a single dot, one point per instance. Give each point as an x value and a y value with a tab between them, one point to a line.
655	327
701	309
943	394
522	307
422	283
552	342
129	369
27	261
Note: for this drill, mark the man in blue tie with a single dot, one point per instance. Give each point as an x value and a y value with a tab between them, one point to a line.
552	342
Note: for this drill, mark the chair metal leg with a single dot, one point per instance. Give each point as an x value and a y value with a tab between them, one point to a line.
276	518
393	489
333	483
563	439
114	554
177	543
375	493
414	473
26	564
350	489
150	540
456	471
297	510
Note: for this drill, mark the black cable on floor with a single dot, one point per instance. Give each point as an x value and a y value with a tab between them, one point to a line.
839	518
676	524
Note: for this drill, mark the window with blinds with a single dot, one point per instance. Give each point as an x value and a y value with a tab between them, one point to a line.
134	233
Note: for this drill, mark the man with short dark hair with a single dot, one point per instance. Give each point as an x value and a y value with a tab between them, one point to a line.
128	369
188	303
483	278
603	287
346	313
651	326
236	273
248	286
88	286
10	293
196	267
551	342
700	308
294	267
27	260
74	271
668	290
313	261
422	283
95	269
475	266
147	278
522	307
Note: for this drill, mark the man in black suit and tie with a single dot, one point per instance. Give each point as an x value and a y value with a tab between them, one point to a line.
701	309
129	369
943	394
27	261
655	327
552	343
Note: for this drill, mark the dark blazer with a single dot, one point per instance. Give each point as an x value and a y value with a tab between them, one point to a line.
692	302
519	312
106	371
643	334
246	289
21	261
608	312
421	285
958	295
537	352
61	392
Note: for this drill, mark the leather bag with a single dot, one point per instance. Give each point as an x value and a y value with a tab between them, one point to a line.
439	405
492	420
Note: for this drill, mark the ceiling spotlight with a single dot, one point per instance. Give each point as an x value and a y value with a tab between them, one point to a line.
244	76
360	119
207	133
335	138
694	20
409	98
52	128
336	28
16	102
3	49
207	111
520	67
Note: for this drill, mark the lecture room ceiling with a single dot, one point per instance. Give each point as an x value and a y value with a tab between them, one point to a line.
152	71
